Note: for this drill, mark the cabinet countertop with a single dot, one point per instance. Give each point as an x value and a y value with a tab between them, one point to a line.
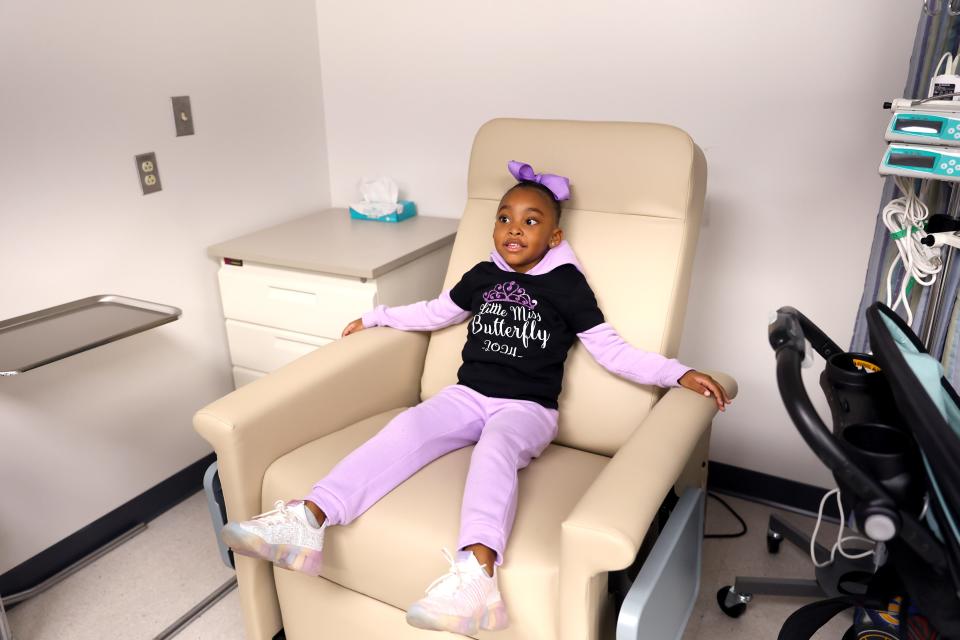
331	242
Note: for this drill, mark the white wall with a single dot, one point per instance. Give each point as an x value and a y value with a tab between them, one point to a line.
85	87
783	98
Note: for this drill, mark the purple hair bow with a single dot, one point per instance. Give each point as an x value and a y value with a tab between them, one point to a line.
558	185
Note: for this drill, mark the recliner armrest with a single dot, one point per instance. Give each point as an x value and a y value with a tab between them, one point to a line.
341	383
337	385
605	529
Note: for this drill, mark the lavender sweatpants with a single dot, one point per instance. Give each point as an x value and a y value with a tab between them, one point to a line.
508	435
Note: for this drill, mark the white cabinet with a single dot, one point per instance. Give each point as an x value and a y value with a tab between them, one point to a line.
275	313
260	348
310	303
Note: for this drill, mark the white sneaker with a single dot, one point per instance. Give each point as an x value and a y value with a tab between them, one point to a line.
463	601
283	536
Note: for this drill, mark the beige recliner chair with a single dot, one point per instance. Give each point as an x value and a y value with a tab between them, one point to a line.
585	504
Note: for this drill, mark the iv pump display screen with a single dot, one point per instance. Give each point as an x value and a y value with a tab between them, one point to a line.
909	160
913	125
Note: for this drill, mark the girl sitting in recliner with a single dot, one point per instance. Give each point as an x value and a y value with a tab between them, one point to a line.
528	303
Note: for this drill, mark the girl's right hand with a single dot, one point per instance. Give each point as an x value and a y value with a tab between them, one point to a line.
353	327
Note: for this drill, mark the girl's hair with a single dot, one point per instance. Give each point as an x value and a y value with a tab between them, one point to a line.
529	184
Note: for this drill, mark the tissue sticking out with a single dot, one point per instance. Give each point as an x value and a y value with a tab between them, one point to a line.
380	202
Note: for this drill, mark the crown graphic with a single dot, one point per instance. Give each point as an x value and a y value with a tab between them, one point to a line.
510	292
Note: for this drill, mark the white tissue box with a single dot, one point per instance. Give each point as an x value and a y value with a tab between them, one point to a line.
404	209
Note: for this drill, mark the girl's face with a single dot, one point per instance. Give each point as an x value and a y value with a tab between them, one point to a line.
525	229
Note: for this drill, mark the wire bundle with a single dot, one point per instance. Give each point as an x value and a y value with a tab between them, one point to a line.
841	539
905	218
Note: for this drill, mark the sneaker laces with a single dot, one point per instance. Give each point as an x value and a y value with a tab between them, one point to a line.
279	514
453	574
454	581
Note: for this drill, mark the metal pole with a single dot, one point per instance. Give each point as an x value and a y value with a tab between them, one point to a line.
930	319
14	598
197	610
5	632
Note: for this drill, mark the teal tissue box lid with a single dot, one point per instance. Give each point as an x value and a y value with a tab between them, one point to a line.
408	210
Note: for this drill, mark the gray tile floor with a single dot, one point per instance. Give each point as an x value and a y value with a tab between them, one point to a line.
138	589
724	559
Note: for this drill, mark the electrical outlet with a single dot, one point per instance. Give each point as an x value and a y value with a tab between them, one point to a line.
148	172
182	115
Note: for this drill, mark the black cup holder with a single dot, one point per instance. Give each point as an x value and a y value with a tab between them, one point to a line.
886	453
876	440
852	365
857	391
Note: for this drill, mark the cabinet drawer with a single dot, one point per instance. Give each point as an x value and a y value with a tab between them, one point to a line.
242	376
310	303
265	348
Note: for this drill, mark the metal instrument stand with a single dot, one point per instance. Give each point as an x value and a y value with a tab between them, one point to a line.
936	295
5	633
42	337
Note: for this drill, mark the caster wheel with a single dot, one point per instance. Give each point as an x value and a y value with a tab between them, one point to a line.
732	603
773	541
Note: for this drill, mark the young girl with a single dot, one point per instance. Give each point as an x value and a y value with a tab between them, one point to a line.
528	303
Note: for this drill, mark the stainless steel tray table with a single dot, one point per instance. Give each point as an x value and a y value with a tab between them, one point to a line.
42	337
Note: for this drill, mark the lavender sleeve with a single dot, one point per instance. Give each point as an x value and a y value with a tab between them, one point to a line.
426	315
617	356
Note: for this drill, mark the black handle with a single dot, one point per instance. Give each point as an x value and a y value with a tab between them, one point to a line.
787	336
792	329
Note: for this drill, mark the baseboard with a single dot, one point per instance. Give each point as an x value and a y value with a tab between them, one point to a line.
145	507
772	490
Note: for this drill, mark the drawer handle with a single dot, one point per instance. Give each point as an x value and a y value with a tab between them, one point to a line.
292	295
295	346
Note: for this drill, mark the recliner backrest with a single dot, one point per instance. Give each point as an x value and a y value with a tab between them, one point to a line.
633	220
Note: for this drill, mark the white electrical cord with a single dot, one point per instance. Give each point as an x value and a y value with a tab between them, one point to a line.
905	218
838	545
952	62
946	81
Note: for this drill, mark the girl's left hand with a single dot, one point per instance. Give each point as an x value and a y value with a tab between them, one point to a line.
705	385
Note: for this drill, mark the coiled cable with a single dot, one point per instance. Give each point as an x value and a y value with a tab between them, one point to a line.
905	218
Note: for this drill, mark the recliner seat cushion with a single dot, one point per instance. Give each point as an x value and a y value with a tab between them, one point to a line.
392	552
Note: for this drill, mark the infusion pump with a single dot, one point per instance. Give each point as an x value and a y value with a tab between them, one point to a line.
921	161
925	127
